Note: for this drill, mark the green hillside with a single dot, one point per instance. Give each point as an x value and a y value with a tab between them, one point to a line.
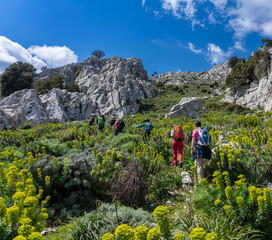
97	181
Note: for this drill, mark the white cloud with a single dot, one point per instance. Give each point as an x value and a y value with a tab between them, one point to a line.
39	57
239	46
11	52
180	8
251	16
242	16
216	55
143	2
54	56
212	19
192	48
220	4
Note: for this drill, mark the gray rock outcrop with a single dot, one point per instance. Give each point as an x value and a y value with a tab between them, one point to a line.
55	106
217	74
106	86
62	106
116	84
257	94
3	121
23	106
187	107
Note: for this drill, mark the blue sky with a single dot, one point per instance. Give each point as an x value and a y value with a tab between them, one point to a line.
168	35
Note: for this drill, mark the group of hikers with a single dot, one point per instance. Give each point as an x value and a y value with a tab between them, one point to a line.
200	145
116	122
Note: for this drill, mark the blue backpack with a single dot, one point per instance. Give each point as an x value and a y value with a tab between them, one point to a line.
204	137
148	127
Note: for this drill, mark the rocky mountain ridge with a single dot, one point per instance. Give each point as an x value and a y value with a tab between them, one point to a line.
217	74
116	85
113	85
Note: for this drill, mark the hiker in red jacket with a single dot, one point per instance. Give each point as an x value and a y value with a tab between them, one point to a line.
178	136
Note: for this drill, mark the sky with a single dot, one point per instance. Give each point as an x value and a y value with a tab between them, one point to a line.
167	35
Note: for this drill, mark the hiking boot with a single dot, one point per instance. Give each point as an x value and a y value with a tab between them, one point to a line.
181	164
174	164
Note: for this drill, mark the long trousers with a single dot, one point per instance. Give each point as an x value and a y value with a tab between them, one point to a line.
177	148
199	162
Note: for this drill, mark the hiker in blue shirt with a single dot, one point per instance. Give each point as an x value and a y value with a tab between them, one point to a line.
148	126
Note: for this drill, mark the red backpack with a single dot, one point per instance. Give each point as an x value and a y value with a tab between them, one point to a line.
178	133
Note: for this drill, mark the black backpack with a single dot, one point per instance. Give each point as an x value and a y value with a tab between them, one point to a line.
122	124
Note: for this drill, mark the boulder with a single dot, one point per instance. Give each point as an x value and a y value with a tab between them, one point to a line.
23	106
187	107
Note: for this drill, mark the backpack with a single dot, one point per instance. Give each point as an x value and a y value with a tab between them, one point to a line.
101	122
178	133
204	137
148	127
92	119
121	124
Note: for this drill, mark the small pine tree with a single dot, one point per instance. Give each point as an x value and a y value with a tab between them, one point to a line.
98	53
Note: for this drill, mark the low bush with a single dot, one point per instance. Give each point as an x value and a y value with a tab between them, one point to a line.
73	87
78	72
45	85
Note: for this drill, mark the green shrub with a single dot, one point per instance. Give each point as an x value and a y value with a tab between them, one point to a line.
26	125
16	77
78	72
250	120
72	187
104	219
73	87
45	85
244	72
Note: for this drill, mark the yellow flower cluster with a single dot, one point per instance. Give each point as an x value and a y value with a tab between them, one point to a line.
162	219
203	181
108	236
198	234
227	178
241	182
228	211
141	233
229	193
154	234
179	236
267	195
241	202
254	192
124	232
26	214
218	203
218	180
261	203
211	236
